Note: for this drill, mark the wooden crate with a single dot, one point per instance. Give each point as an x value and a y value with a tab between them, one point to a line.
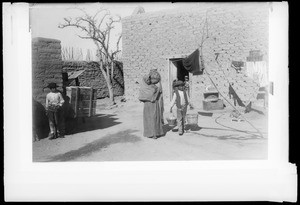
213	104
83	100
211	95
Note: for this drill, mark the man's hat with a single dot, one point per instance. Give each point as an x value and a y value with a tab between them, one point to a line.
52	85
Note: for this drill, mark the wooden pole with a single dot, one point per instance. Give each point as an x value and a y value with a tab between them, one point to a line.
76	101
91	102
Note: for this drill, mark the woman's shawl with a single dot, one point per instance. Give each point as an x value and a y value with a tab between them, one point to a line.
147	92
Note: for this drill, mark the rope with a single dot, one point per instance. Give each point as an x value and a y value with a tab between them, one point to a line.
231	128
232	105
204	71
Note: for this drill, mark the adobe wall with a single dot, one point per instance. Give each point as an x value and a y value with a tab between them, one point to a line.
46	66
93	77
234	29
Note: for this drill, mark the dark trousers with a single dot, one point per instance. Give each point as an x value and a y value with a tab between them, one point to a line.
181	113
56	122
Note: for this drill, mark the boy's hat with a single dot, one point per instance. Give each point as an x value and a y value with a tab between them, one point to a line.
178	83
52	85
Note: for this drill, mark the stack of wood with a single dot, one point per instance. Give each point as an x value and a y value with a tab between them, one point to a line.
83	100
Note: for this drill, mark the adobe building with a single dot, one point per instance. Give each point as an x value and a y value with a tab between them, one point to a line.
160	40
46	66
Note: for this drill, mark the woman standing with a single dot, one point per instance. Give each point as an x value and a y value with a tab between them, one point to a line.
161	102
152	111
156	79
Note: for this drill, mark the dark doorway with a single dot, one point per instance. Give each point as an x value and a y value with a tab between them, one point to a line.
177	72
181	71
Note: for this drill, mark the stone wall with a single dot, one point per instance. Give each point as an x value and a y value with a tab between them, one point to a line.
46	66
93	77
234	29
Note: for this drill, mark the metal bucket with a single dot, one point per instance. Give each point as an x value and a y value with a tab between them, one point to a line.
171	121
192	119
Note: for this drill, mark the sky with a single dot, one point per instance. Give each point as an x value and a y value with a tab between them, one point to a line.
45	18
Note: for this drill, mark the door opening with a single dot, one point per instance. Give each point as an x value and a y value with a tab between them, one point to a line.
177	72
181	71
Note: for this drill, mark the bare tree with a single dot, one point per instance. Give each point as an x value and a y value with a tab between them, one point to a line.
98	28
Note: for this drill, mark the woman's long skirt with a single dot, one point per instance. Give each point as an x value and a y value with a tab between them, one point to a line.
152	120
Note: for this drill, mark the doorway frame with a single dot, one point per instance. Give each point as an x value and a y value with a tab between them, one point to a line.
168	60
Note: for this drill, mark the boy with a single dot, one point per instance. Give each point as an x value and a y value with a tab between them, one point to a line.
54	102
182	100
187	84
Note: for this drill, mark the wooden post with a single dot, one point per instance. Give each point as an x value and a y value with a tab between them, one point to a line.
91	102
76	101
65	82
77	81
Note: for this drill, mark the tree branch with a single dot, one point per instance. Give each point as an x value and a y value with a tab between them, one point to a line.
102	19
100	35
99	11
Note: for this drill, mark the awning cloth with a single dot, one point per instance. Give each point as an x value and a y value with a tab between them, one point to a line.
192	63
74	74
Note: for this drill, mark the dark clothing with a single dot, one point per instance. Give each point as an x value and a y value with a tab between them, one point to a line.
235	96
152	97
192	64
181	113
56	122
161	105
40	122
152	120
152	116
147	92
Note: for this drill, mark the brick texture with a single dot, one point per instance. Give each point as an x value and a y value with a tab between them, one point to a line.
234	29
46	66
93	77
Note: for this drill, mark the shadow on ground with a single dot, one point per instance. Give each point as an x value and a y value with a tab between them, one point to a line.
167	128
192	127
95	146
257	111
207	114
96	122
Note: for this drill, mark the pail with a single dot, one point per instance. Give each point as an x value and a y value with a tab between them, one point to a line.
171	121
192	119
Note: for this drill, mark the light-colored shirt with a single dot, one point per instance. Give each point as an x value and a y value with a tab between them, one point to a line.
54	99
182	99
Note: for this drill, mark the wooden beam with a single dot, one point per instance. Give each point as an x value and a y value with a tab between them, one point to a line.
91	102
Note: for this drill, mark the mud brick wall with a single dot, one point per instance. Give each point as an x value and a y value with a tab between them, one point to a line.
46	66
234	29
93	77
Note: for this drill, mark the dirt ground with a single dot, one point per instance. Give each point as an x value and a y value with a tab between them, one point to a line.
116	134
